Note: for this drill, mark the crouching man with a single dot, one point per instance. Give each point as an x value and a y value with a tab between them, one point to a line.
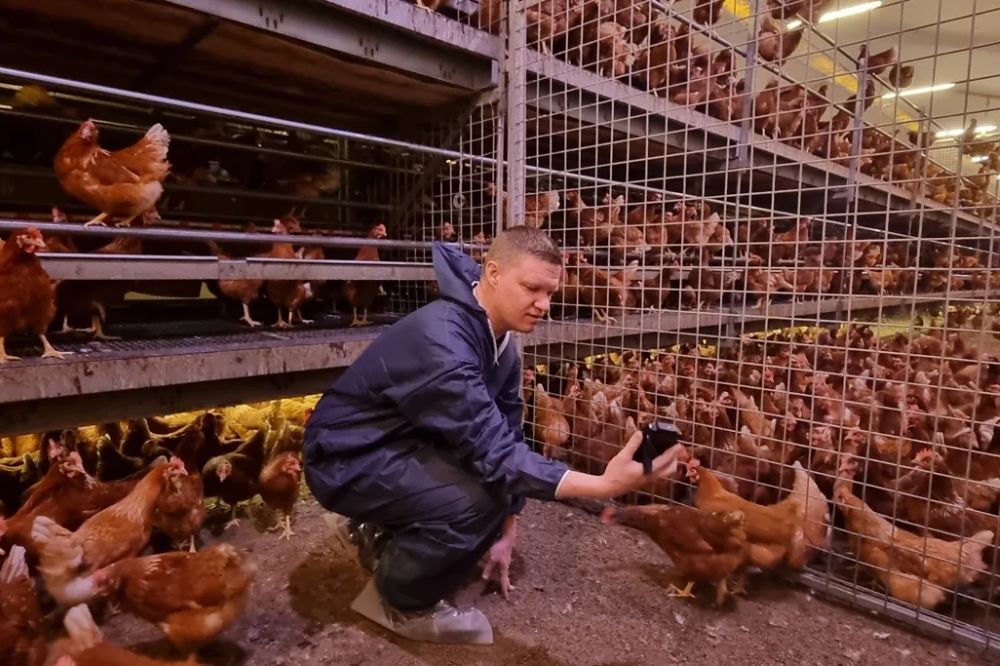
418	446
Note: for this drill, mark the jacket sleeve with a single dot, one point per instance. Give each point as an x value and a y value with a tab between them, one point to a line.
438	386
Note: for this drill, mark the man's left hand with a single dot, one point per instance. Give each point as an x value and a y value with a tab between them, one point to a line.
499	556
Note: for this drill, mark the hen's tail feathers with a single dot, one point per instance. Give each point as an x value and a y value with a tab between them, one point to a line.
983	538
14	568
972	550
82	630
55	542
816	507
158	135
814	530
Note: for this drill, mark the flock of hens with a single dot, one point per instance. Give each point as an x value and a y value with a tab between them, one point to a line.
798	257
901	433
632	40
126	185
83	506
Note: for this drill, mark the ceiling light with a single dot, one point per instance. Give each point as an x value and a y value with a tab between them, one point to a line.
979	158
849	11
980	129
919	91
794	24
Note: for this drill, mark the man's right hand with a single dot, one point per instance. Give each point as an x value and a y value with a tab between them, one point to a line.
624	474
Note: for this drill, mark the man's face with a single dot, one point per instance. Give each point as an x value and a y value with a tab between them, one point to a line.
524	288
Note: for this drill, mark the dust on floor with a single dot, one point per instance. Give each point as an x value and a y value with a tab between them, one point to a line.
586	594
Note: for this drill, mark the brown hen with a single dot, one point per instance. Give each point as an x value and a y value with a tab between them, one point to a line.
191	597
703	546
27	294
124	183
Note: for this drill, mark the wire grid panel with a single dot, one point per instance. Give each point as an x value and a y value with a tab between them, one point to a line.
779	229
453	199
231	175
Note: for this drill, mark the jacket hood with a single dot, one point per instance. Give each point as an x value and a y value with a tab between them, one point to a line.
456	271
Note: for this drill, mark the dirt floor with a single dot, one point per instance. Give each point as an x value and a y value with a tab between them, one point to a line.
586	594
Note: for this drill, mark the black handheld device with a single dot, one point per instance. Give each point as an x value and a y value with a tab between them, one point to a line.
657	437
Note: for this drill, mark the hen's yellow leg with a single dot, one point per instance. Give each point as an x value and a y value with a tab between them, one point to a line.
49	351
739	587
97	326
603	316
286	528
99	220
247	318
233	520
686	593
127	221
4	356
721	590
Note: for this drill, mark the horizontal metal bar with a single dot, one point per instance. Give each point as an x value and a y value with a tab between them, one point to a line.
238	115
73	411
427	48
181	234
274	269
666	321
154	267
181	364
576	331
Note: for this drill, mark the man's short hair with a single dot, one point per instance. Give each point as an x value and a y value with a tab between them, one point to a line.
522	240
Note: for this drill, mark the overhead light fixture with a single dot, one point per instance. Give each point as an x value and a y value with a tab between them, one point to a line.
854	10
919	91
979	158
980	129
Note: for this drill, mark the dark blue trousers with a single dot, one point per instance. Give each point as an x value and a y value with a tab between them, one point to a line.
440	518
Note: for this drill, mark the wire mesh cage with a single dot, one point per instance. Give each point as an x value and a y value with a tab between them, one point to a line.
778	220
231	175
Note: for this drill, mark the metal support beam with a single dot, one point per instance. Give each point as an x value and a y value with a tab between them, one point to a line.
662	322
194	236
517	127
74	411
151	267
164	363
372	31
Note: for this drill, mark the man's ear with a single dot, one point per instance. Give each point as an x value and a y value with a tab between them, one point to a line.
491	272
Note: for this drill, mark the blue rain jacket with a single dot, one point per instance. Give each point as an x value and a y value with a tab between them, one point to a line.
435	378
